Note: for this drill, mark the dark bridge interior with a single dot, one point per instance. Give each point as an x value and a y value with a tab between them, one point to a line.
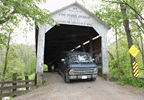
65	38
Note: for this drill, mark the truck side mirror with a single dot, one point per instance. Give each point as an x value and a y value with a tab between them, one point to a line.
62	60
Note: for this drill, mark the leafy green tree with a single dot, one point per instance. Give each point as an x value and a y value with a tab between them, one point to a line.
12	13
132	12
114	20
14	10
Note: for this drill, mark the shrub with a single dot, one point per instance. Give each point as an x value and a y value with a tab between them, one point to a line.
136	82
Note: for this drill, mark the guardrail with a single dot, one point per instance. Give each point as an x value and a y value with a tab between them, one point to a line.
13	89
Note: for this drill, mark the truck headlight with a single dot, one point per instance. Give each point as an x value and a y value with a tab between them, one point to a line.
95	70
71	71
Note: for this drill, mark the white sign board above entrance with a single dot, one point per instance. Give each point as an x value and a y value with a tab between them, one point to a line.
73	15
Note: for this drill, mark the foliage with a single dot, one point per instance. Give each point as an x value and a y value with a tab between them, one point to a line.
45	67
132	81
12	13
124	60
16	61
32	76
14	10
44	83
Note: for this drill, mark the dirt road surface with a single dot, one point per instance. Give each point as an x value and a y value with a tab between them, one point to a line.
82	90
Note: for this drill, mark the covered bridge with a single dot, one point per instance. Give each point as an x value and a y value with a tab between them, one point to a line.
78	31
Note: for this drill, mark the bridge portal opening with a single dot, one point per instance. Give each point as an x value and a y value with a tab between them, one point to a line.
70	38
78	31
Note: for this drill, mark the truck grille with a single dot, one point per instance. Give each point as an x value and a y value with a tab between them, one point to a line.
83	71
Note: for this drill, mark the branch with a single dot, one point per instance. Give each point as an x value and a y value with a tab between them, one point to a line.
6	19
139	20
127	5
139	27
134	10
138	44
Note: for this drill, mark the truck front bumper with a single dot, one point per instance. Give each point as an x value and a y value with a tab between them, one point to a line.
73	77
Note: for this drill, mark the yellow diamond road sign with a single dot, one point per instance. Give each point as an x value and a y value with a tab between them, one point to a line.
133	51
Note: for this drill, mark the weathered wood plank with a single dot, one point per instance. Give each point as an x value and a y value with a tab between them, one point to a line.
13	93
91	47
14	87
14	84
27	83
18	81
83	48
86	39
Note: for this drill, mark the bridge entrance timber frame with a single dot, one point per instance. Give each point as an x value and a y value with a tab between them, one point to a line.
78	31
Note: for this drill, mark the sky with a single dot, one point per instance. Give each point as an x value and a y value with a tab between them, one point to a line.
51	5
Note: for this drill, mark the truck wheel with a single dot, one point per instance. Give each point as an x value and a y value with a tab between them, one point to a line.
66	78
94	79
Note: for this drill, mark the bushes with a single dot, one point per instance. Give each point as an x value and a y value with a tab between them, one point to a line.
32	76
125	65
132	81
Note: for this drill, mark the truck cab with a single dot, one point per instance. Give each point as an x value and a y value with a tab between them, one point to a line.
73	65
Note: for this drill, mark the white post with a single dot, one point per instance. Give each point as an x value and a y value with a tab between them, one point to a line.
40	52
40	55
105	69
102	31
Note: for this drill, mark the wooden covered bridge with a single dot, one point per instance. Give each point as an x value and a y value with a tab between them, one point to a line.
78	31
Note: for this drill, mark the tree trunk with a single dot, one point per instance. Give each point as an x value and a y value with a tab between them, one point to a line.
142	52
1	63
6	58
118	66
111	56
127	30
141	49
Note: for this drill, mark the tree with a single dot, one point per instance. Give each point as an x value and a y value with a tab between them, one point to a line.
130	12
114	20
13	10
12	13
27	55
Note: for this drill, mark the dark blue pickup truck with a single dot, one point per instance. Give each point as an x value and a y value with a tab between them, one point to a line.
73	65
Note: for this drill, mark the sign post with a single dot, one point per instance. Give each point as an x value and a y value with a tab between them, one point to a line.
134	51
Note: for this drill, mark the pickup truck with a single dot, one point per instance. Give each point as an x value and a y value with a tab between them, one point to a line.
74	65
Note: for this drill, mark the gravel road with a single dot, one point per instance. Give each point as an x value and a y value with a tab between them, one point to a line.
82	90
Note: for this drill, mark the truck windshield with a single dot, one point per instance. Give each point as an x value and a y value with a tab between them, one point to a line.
79	58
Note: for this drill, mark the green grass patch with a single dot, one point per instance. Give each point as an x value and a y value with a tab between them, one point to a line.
132	81
44	83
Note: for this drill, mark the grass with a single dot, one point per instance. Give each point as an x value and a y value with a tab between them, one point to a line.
138	83
44	83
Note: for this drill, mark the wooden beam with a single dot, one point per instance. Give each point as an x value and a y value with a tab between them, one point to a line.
73	47
71	35
15	87
82	47
13	93
91	47
17	81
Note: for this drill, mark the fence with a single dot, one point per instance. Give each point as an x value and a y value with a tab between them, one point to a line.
13	89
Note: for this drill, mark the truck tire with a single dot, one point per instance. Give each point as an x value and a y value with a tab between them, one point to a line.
93	79
66	78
